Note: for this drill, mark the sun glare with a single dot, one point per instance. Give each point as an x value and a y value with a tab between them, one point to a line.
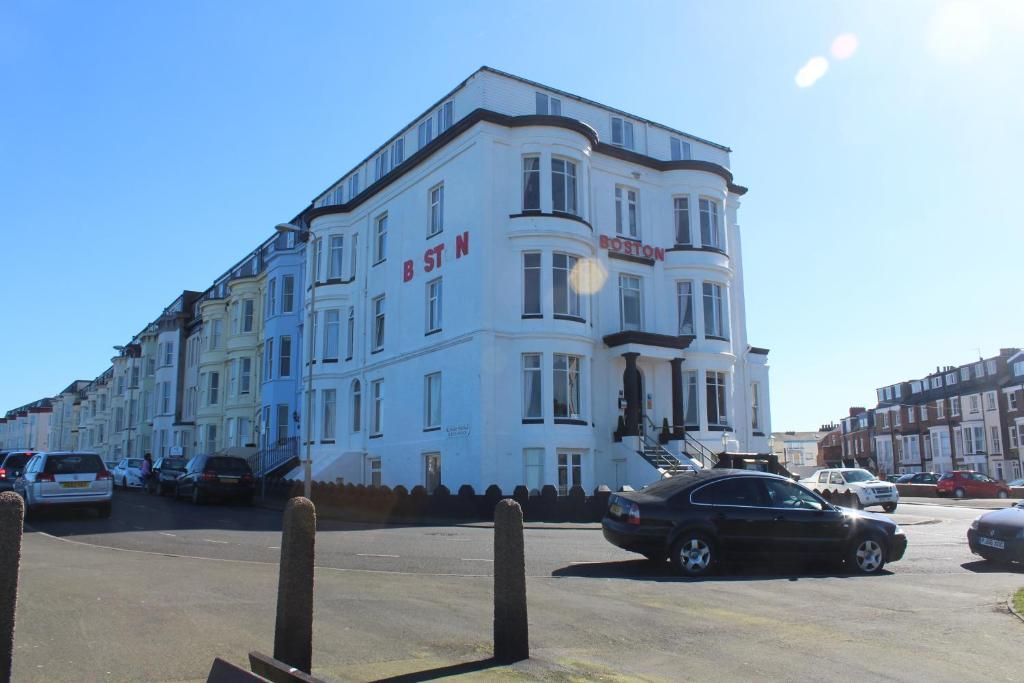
844	46
809	73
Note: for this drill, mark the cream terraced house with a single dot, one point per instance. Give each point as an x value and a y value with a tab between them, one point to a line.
516	286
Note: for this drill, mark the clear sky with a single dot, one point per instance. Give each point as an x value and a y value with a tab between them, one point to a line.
146	146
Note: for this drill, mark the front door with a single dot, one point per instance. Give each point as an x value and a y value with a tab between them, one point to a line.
432	471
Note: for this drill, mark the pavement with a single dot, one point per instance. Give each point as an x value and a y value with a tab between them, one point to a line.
161	588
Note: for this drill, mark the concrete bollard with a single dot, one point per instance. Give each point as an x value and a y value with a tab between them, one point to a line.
511	630
293	633
12	518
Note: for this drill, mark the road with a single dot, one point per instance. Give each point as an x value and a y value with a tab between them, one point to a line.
161	588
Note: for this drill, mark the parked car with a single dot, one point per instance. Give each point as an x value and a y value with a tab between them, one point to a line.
919	478
892	477
701	518
167	471
128	473
216	476
998	536
1016	482
65	478
968	484
11	465
869	489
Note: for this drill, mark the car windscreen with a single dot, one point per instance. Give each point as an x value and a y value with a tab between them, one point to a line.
15	462
222	465
73	463
853	476
134	463
173	464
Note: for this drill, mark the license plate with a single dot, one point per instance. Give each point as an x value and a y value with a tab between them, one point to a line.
992	543
74	484
616	509
229	480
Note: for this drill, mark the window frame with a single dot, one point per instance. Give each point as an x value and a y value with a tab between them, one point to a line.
432	401
379	320
569	184
434	303
435	204
380	238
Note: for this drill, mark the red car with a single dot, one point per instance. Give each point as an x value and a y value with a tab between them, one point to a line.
967	484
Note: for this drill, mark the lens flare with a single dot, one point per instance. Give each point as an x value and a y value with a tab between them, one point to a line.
958	33
588	276
810	72
844	46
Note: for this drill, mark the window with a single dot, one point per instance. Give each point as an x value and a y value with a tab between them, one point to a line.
691	410
268	360
287	293
630	303
432	401
169	353
378	323
436	210
684	305
1018	368
566	298
357	405
444	117
328	402
332	322
380	165
924	413
531	284
248	311
735	491
548	105
566	386
380	244
940	409
950	378
350	341
434	305
994	442
626	221
897	417
782	494
354	258
682	216
990	400
990	367
1013	436
531	183
717	413
716	311
1011	400
563	186
397	152
377	389
282	423
935	382
336	256
622	133
375	479
911	415
710	232
755	406
213	390
353	185
211	438
974	440
165	398
680	149
245	380
569	472
317	258
271	297
425	133
954	405
532	409
965	374
284	360
974	403
533	462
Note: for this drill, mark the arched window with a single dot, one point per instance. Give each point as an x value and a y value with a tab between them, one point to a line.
357	404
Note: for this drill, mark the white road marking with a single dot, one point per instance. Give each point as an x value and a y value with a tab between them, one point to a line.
164	533
210	540
476	559
374	555
273	547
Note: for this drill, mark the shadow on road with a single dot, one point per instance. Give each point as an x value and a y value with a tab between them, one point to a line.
989	567
442	672
765	570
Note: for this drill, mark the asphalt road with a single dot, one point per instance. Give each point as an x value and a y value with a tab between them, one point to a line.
159	589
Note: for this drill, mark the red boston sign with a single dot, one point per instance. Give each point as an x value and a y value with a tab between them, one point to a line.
632	248
433	258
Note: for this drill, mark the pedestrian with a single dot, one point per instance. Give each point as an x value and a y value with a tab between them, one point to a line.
147	471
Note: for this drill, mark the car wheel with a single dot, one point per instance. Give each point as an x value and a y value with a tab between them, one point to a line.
958	493
694	554
104	510
867	555
889	507
1002	494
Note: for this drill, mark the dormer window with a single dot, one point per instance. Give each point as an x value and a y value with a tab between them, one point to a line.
680	149
548	105
622	133
444	117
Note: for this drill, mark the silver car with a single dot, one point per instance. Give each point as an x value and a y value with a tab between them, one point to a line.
66	478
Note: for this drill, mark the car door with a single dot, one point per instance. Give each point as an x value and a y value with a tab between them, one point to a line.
985	485
738	513
802	523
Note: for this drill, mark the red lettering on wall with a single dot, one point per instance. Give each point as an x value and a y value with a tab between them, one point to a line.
462	245
407	271
659	253
428	260
437	253
604	241
648	251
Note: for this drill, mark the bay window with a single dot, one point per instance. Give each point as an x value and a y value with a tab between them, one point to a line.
566	386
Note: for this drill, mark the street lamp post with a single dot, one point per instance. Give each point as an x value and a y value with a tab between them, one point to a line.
308	464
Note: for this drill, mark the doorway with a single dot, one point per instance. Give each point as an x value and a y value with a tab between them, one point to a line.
432	471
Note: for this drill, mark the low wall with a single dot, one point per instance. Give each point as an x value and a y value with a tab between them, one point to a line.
928	491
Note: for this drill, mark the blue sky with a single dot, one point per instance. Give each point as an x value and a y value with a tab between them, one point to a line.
144	147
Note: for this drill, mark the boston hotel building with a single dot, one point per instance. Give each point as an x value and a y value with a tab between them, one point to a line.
519	285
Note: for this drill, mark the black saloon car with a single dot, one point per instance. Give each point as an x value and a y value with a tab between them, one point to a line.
701	518
216	476
11	465
919	478
998	536
166	472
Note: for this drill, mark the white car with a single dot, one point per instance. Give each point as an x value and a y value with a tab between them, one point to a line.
869	489
128	473
65	478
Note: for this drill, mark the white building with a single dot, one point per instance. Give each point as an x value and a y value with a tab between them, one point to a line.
797	449
513	273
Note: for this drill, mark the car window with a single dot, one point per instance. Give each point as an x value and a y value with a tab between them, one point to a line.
782	494
73	463
135	462
947	475
836	478
224	465
123	463
823	478
857	476
985	478
744	491
172	463
15	462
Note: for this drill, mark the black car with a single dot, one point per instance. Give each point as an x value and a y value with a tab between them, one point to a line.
166	472
998	536
919	478
11	465
216	476
701	518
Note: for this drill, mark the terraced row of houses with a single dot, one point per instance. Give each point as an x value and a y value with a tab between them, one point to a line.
521	286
